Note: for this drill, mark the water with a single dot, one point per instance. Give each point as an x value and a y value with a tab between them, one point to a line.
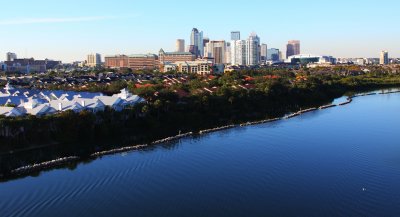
343	161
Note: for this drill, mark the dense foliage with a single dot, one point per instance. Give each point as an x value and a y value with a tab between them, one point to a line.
197	103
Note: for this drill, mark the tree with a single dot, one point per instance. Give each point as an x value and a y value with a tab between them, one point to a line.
145	109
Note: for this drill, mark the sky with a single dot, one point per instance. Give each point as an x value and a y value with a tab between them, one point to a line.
68	30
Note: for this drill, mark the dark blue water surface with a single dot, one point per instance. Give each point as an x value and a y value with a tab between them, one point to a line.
343	161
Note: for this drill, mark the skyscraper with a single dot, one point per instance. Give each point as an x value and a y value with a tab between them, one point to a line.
253	50
216	50
273	54
264	51
205	40
293	48
235	35
196	40
11	56
180	45
94	60
228	53
238	52
384	58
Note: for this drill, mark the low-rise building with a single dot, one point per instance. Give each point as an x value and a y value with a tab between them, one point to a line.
134	62
305	59
31	65
10	112
18	102
175	56
201	67
117	61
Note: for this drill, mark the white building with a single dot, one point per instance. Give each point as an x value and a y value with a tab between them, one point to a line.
305	59
238	52
228	53
41	103
10	112
361	61
253	50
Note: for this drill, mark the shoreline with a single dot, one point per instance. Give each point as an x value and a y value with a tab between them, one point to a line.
26	170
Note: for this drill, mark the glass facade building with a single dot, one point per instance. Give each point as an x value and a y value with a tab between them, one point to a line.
235	35
273	55
196	40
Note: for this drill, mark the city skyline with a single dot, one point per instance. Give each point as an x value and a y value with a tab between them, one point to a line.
362	30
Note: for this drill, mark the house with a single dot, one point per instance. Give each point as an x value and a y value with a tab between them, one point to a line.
35	102
129	98
63	106
113	102
35	107
93	105
38	110
10	112
133	100
55	95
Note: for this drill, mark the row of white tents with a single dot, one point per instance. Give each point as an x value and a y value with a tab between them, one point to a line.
19	102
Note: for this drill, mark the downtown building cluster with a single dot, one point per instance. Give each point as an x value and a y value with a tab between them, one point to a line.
201	56
204	56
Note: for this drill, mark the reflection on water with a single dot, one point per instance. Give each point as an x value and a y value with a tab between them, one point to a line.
343	161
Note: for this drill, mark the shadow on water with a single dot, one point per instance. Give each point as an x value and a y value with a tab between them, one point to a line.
14	160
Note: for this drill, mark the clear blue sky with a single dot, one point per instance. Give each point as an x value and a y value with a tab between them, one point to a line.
69	29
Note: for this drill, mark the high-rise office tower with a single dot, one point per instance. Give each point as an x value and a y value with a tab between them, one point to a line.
205	41
228	53
264	51
273	54
216	50
11	56
196	40
235	35
180	45
293	48
238	52
253	50
233	53
93	60
384	58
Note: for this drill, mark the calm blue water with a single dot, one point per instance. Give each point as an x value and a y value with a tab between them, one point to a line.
343	161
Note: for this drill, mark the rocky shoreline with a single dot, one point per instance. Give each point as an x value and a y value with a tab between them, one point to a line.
327	106
349	100
217	129
45	165
26	170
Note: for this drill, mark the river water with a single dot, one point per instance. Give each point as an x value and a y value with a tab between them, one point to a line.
343	161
